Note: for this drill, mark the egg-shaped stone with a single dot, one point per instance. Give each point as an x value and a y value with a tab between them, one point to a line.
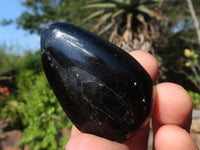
102	89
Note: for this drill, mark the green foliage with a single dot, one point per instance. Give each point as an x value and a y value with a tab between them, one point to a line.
5	22
42	115
192	57
195	99
31	61
39	13
34	106
8	109
123	21
192	63
8	60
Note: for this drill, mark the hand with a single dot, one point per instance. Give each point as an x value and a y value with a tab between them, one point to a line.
171	119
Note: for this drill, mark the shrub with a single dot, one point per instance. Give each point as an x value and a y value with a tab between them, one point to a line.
195	99
41	114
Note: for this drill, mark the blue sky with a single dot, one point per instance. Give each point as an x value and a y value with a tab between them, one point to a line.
19	39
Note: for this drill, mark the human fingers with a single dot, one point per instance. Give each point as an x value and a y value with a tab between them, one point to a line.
148	62
74	131
83	141
138	142
173	105
173	137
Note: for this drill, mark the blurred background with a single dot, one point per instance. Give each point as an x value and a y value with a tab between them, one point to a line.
30	116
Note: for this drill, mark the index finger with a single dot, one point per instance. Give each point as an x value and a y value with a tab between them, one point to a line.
148	62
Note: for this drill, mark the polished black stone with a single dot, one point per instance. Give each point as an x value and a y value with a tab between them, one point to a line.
103	90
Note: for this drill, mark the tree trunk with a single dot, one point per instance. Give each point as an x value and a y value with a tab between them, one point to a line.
194	17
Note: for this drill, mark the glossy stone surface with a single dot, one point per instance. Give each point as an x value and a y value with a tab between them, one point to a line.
103	90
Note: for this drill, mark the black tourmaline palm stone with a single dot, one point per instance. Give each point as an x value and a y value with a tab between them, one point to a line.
103	90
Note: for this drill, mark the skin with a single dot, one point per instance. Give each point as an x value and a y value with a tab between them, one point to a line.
171	119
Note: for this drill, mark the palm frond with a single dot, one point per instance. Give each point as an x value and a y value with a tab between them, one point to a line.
95	14
102	20
118	1
106	28
100	5
149	12
150	2
118	13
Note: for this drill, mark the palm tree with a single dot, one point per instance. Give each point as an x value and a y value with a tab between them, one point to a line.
131	23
